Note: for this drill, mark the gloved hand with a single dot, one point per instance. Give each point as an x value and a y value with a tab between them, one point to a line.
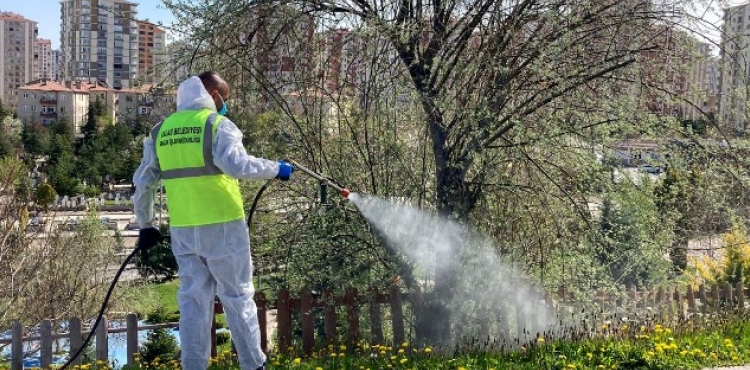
148	237
285	170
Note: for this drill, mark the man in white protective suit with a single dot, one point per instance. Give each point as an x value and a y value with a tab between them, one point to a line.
199	155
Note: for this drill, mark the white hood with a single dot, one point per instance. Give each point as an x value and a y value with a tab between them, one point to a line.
191	95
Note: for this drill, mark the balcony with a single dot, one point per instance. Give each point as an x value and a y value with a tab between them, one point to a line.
48	100
49	115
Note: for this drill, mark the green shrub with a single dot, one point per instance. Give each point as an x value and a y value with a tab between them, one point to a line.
159	343
223	337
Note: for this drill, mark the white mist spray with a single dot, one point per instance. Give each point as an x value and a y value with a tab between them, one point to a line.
492	302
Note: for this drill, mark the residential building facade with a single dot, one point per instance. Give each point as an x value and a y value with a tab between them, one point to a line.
43	60
99	41
17	43
151	53
735	67
45	102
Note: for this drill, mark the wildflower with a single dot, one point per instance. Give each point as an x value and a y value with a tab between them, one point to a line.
540	340
461	368
405	344
276	363
570	366
318	368
341	354
297	360
590	355
400	350
333	354
427	350
403	361
342	347
393	357
683	353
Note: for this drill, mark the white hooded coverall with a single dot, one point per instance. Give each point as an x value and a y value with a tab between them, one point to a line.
212	259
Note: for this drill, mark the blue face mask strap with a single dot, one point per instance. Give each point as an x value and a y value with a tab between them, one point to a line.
223	110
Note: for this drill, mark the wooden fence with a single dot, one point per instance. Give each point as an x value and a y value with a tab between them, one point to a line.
661	305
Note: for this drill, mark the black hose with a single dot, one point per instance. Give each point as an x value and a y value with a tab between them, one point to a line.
122	268
101	310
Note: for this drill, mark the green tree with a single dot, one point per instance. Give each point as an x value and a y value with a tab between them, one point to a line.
35	139
159	344
44	195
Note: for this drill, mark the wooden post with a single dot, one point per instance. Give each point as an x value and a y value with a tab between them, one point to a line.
660	305
131	337
397	316
260	302
102	345
76	339
691	300
284	317
376	322
308	325
45	352
680	305
716	297
703	297
16	347
728	296
352	316
329	313
740	296
672	304
218	309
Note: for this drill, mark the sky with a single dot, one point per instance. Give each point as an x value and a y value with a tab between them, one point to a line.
47	14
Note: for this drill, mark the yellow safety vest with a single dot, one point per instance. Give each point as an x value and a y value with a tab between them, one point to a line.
198	192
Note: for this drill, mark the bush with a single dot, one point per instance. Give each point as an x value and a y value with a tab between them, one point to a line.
732	267
223	337
159	343
44	195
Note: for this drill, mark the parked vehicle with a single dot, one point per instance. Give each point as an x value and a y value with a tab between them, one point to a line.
647	168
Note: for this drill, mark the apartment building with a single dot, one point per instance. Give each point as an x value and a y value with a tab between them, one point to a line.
43	59
45	102
17	43
152	57
99	41
735	68
147	100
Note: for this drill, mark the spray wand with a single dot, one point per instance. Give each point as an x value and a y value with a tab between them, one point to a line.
324	181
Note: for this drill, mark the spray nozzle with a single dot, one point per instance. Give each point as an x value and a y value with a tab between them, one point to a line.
324	182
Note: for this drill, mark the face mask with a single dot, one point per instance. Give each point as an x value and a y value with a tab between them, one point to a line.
223	110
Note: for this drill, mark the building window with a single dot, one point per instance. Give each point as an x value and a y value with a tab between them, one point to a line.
25	95
33	108
62	109
25	108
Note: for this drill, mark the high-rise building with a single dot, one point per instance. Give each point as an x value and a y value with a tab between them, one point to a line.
17	42
735	67
57	74
151	53
99	41
43	61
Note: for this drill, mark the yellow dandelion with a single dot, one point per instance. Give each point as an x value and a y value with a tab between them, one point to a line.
333	354
400	350
540	340
570	366
403	361
427	350
342	347
297	360
405	344
341	354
